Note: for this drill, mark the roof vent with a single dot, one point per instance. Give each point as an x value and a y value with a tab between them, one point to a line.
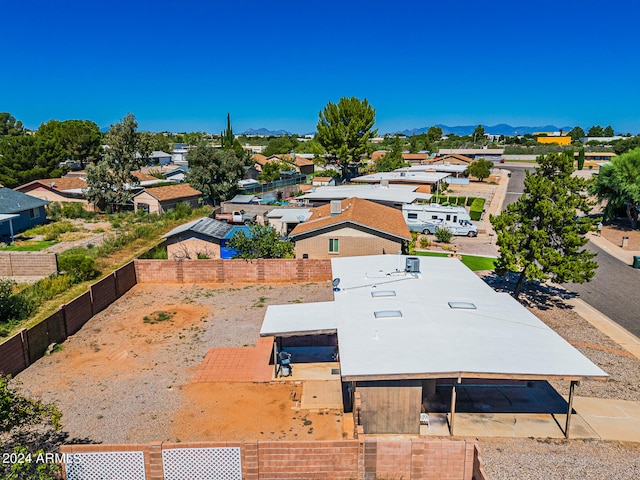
336	207
412	265
388	314
383	293
462	305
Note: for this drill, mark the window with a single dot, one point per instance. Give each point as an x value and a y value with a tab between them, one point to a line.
34	213
144	207
333	245
448	218
413	216
455	218
434	217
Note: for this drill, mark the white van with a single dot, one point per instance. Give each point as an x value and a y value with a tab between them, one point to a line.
427	218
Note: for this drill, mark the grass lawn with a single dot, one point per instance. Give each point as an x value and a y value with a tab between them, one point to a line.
29	246
473	262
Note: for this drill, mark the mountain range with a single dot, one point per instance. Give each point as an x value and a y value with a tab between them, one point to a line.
500	129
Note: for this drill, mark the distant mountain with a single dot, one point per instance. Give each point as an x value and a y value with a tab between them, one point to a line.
500	129
264	131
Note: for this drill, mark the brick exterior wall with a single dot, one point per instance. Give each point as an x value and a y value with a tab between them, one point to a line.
32	264
230	271
410	459
318	247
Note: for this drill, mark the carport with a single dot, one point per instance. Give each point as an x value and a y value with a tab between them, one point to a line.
407	327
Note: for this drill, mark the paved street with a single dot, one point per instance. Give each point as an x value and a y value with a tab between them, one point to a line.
615	289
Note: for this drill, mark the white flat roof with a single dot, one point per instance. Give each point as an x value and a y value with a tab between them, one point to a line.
392	193
290	215
428	338
451	168
403	176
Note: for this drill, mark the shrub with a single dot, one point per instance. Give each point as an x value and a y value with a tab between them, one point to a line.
79	266
75	210
443	234
476	209
425	242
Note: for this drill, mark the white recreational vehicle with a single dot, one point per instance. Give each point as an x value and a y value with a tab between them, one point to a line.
426	218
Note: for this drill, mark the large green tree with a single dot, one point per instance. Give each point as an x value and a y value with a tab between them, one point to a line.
480	169
345	128
280	145
9	126
618	183
576	133
76	140
478	134
596	131
608	131
214	172
262	242
538	236
110	180
392	160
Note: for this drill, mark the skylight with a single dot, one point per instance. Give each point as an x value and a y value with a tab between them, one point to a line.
383	293
462	305
388	314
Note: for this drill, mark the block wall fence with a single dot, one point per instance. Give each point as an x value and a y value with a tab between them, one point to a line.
361	459
29	345
27	264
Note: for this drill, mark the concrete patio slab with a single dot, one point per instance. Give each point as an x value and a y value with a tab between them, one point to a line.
611	419
322	394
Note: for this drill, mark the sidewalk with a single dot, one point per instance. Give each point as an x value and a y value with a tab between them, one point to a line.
625	256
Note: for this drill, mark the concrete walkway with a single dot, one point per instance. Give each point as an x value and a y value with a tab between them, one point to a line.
605	419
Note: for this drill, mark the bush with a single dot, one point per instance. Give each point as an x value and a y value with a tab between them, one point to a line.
443	234
75	210
79	266
425	242
476	209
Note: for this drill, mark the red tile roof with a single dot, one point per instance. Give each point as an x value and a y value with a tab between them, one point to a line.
359	211
173	192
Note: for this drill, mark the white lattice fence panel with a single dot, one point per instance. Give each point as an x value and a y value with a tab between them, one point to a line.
202	463
106	466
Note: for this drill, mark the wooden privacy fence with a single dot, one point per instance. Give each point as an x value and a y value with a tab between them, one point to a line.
29	345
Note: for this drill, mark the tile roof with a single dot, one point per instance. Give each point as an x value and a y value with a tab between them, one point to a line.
172	192
415	156
143	177
358	211
60	184
16	202
457	156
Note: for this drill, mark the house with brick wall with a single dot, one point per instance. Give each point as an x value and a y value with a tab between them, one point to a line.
350	227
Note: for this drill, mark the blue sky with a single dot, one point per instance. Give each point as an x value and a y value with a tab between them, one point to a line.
181	66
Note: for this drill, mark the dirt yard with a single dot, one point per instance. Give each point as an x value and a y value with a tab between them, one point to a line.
126	376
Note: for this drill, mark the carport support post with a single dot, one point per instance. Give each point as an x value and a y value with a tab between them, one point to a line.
275	358
569	408
453	405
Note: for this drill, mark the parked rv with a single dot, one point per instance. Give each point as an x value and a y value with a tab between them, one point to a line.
427	218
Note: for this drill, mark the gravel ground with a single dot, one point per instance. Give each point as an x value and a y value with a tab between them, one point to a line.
523	459
121	380
531	459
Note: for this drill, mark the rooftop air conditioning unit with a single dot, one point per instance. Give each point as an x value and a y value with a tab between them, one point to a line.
413	265
336	207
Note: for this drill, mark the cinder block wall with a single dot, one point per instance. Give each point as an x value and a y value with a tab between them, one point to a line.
232	271
373	458
21	264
